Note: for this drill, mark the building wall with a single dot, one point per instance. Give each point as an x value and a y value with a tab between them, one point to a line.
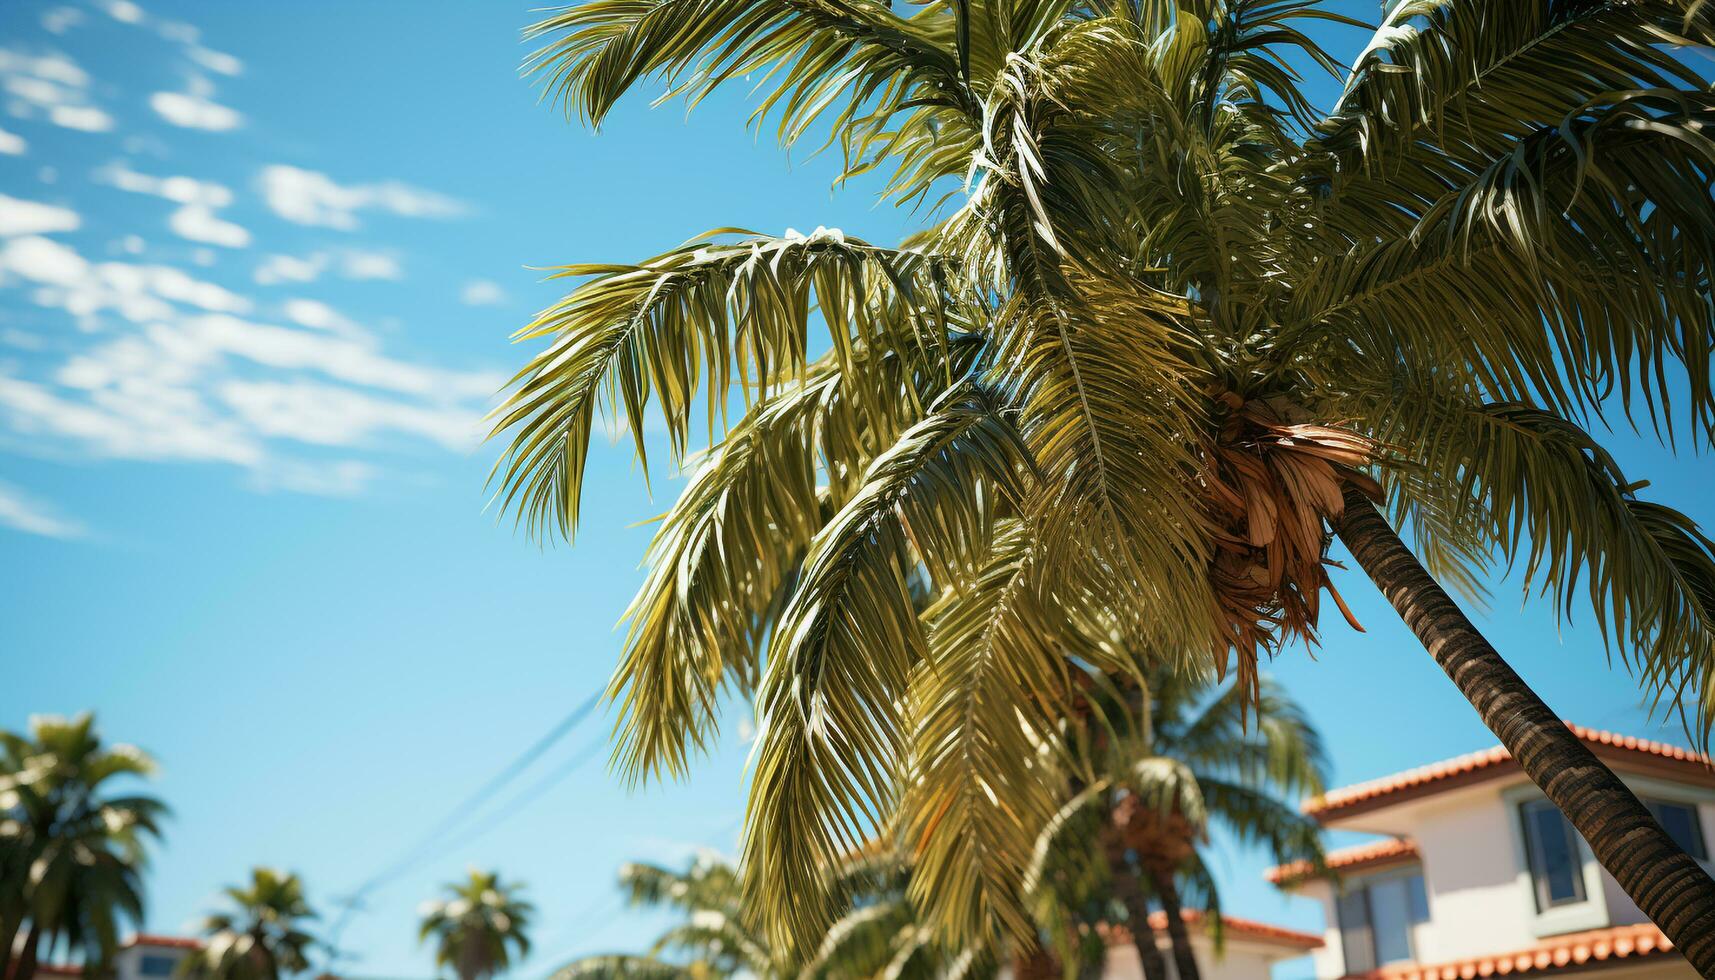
1241	961
145	962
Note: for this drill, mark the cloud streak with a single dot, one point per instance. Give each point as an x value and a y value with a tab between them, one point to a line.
20	512
308	197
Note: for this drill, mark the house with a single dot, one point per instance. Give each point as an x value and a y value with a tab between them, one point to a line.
1476	874
1249	949
142	957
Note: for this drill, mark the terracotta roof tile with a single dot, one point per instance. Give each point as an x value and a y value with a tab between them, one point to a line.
1490	762
1392	851
1572	951
1119	935
152	939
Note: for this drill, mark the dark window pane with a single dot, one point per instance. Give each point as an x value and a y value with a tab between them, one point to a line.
1555	864
1360	950
1418	898
156	966
1680	822
1390	919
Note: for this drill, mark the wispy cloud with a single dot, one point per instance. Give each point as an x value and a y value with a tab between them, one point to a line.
20	217
21	512
195	109
198	200
51	87
308	197
354	263
11	144
482	292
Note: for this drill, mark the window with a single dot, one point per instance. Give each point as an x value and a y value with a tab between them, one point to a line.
156	966
1681	823
1376	916
1556	866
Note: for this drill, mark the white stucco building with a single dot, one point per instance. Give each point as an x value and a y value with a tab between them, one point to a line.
1478	875
142	957
1249	949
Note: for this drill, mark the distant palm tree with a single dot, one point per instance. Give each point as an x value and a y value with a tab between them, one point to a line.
71	851
474	929
711	943
1179	328
1201	754
261	937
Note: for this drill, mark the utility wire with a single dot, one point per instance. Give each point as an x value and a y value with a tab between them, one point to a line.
427	845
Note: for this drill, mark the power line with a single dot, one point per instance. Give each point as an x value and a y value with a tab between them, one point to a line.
426	846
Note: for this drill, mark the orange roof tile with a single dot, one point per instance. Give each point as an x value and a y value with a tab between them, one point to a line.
1397	850
1250	929
1568	952
152	939
1497	761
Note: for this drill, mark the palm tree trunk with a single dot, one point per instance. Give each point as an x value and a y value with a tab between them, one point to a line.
24	966
1130	894
9	926
1659	876
1184	957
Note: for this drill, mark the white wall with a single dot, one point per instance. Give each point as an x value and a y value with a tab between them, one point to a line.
1241	961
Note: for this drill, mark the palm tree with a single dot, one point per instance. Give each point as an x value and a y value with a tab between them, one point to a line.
474	928
1200	755
261	937
712	943
1177	327
71	849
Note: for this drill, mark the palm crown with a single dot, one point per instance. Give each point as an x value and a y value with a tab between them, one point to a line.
477	928
261	936
713	942
72	851
1176	321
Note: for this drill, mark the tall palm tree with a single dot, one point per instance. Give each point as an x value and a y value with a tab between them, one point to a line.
475	928
72	850
1178	326
712	943
261	936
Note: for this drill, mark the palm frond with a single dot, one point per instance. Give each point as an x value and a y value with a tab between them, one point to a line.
721	313
831	735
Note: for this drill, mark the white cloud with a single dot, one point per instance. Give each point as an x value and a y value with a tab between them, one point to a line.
195	219
482	292
333	416
19	217
141	420
11	144
22	513
199	224
317	316
58	20
357	264
86	118
193	109
216	61
276	269
348	263
55	68
49	86
139	293
123	11
307	197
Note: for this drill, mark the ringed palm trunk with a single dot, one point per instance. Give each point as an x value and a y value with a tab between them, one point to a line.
1184	957
1130	893
1670	887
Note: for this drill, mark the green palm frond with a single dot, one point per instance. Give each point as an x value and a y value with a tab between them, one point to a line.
720	314
1551	500
832	736
729	549
623	967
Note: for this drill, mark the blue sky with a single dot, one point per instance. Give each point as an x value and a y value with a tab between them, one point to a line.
258	265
